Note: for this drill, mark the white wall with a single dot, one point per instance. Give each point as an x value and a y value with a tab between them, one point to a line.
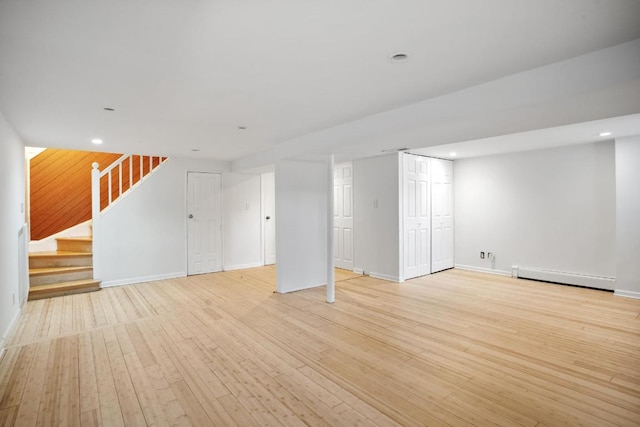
242	243
377	229
301	235
12	221
628	216
144	234
551	209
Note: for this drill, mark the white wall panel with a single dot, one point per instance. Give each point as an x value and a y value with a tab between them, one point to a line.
144	233
553	209
242	246
12	198
377	216
301	235
628	216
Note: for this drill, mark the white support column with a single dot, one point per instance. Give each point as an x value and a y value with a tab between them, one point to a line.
331	283
95	219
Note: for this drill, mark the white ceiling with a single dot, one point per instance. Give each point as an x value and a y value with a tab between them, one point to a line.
580	133
185	75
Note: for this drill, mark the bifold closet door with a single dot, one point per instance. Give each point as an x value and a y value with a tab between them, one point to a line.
441	215
343	216
416	201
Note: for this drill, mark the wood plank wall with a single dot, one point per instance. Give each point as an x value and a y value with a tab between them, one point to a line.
61	189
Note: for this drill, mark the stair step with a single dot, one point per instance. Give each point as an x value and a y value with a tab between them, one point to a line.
64	288
45	276
75	244
59	259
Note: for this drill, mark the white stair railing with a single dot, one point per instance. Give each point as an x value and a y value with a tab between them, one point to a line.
115	172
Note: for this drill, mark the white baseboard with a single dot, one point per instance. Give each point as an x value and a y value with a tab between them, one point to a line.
242	266
598	282
627	294
385	277
5	335
358	271
143	279
482	270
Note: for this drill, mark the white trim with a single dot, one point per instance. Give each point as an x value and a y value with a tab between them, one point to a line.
386	277
358	271
242	266
143	279
6	334
577	279
627	294
263	242
482	270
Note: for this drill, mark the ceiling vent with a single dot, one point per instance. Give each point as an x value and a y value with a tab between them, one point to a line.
399	57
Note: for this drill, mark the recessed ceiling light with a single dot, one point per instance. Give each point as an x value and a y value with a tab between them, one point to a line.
399	57
96	141
109	109
453	154
242	127
195	149
605	134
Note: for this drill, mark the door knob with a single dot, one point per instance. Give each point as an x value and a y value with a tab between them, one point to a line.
190	216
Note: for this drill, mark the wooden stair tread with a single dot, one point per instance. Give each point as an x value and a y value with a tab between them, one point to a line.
57	270
75	239
64	288
54	254
65	271
72	284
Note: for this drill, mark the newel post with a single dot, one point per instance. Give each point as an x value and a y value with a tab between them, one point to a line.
95	219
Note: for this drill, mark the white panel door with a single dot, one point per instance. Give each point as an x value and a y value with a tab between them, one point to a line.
204	240
269	211
441	215
416	216
343	216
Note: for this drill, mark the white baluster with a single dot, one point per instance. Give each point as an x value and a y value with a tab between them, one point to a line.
95	219
109	186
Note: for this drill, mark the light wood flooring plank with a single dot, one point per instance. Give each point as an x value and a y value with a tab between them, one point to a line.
454	348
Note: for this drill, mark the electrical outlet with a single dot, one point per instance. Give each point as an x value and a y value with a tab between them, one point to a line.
375	203
481	255
491	255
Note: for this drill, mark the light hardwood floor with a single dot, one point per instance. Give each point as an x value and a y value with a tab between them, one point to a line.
453	348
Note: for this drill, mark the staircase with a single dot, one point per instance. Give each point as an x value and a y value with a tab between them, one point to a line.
69	270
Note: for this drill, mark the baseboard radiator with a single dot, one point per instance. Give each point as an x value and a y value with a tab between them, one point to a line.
597	282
